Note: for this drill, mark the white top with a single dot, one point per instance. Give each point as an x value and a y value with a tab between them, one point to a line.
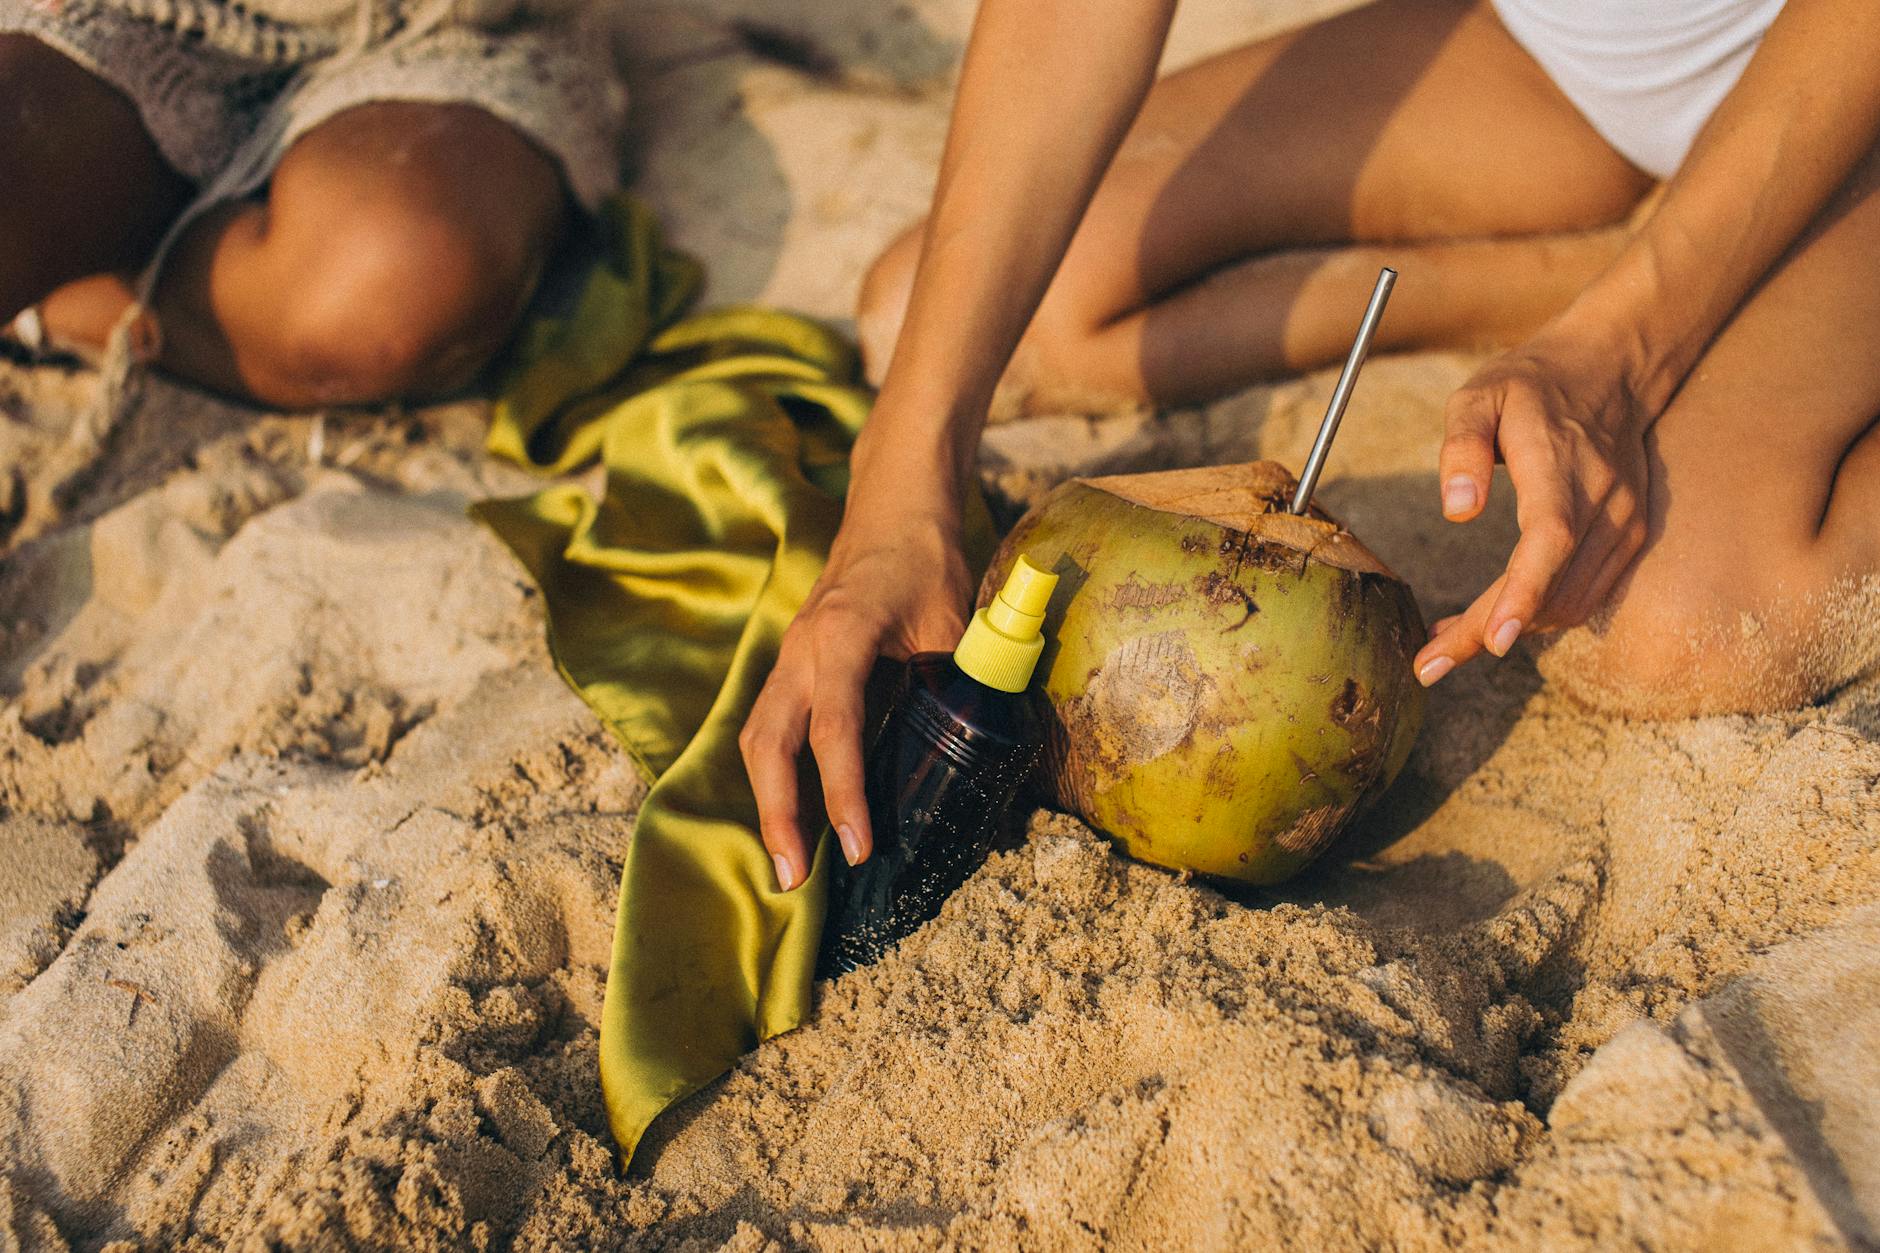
1646	73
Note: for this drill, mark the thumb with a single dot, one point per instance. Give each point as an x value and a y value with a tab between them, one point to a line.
1467	461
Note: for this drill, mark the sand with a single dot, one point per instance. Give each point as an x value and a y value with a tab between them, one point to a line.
310	856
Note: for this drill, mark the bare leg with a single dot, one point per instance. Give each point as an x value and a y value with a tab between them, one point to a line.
82	187
1405	122
391	255
1760	585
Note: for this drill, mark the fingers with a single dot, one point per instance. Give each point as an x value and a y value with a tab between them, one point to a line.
770	742
1572	441
1538	558
843	661
1599	560
1550	532
1468	457
893	593
1456	639
816	695
1464	466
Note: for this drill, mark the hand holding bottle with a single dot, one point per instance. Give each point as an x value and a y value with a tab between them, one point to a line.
896	584
1014	182
958	743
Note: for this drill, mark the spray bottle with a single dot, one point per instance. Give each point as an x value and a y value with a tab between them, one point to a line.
961	737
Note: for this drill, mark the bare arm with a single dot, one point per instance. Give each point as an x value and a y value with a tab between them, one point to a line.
1048	89
1568	411
1806	110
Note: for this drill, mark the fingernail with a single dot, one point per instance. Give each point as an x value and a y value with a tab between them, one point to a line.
851	844
1434	669
1504	637
786	877
1458	496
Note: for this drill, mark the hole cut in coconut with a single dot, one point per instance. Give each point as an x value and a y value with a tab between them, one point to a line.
1251	497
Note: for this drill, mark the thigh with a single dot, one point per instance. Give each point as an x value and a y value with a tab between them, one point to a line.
387	215
1757	585
83	187
1760	468
410	235
416	223
1404	120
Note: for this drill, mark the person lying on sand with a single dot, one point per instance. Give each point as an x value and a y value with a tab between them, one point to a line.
354	198
1688	420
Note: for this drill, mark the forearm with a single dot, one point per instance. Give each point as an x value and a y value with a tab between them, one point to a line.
1047	91
1805	112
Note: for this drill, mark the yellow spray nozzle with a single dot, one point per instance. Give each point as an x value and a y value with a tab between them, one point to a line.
1003	642
1026	592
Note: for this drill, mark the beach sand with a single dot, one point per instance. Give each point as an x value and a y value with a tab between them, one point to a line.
310	857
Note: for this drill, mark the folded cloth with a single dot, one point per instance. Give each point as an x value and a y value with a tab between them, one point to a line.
724	438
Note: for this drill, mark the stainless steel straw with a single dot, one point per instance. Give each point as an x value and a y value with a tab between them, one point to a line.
1341	395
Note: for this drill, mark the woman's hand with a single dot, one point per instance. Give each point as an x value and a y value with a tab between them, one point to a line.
1568	411
896	584
1562	412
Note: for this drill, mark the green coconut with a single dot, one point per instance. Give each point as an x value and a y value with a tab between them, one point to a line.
1231	682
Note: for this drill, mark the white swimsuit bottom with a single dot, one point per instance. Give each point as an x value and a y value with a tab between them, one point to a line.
1647	74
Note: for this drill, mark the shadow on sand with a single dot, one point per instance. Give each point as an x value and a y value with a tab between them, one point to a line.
693	149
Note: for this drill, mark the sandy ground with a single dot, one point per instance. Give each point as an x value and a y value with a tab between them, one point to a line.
310	857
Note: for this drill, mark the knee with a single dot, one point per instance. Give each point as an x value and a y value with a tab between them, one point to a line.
1677	645
384	306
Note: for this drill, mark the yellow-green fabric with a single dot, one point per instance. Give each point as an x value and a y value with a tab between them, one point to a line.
724	441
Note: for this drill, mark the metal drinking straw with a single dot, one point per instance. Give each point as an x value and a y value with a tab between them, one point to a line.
1341	395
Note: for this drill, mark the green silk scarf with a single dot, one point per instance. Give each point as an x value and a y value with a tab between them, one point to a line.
724	442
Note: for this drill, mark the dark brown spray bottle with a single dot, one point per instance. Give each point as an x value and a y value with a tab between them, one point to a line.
962	735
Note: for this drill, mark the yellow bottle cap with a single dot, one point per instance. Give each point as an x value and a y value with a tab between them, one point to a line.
1004	640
